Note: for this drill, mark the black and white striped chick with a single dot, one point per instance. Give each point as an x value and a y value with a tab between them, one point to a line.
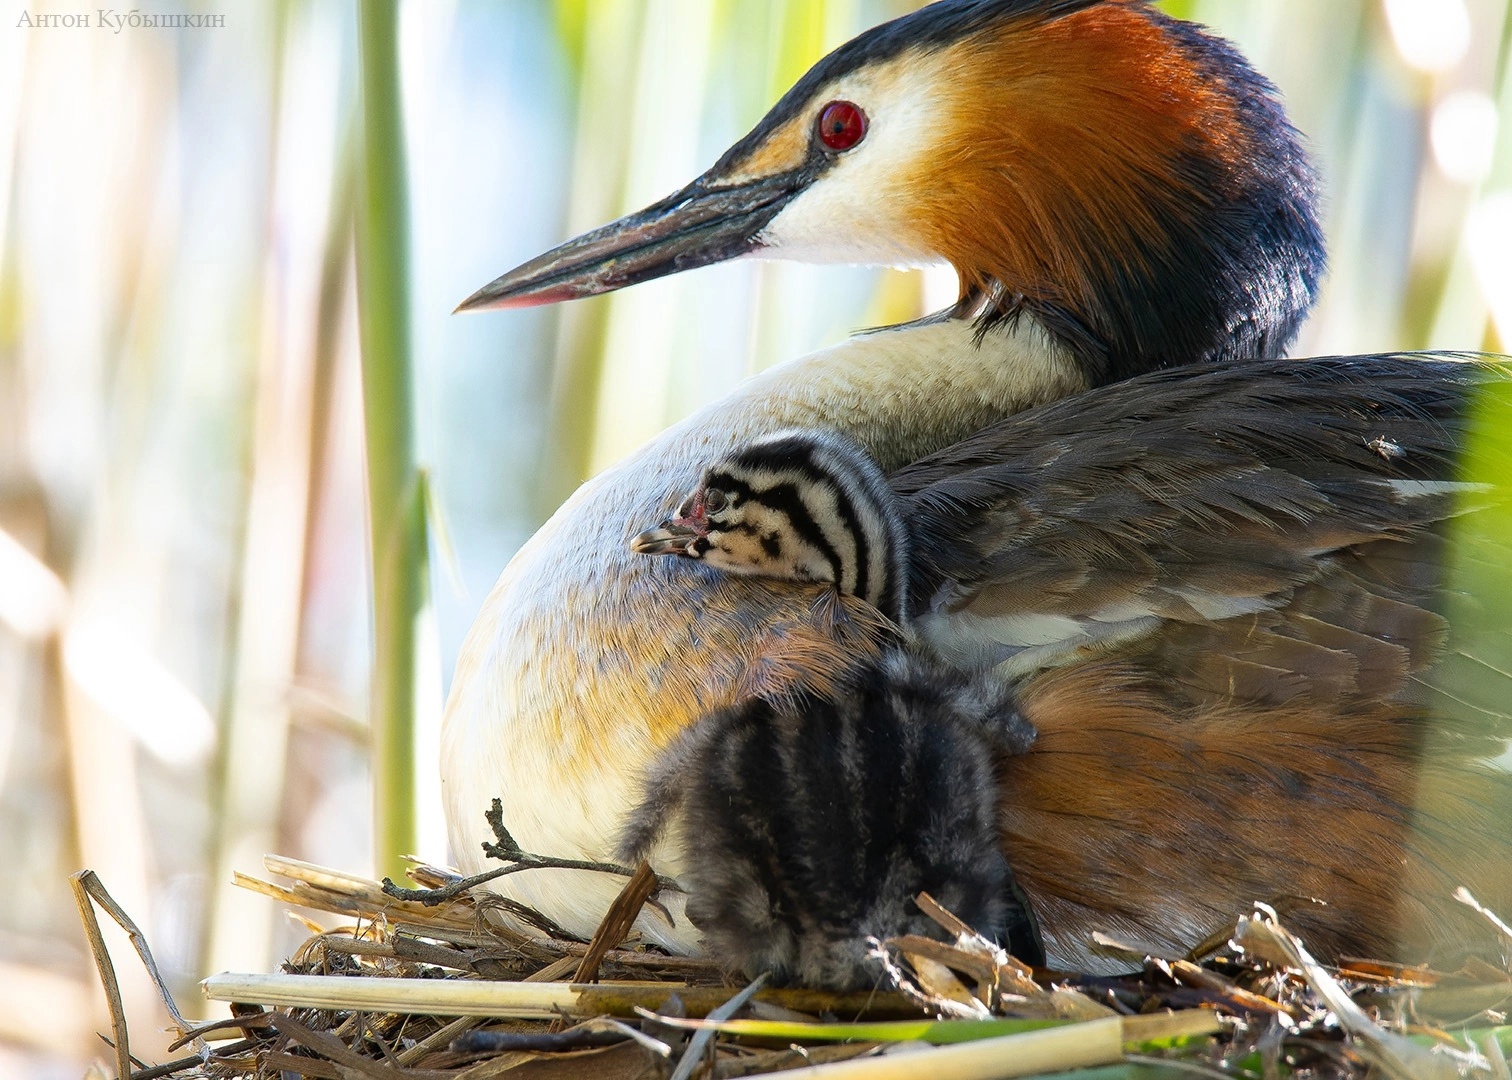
801	506
817	818
812	823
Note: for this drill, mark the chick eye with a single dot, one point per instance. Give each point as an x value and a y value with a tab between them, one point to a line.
714	501
841	125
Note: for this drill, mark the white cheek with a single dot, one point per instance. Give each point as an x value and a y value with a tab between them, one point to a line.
859	211
839	224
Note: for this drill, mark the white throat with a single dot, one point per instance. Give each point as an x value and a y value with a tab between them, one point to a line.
901	392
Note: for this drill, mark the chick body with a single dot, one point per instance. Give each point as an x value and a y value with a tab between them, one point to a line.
812	822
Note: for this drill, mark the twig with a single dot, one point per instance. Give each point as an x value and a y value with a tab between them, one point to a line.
526	914
412	949
548	950
634	1034
79	883
600	1031
980	968
507	849
701	1038
302	1066
555	970
1394	1055
499	1042
1004	983
617	921
899	978
329	1047
168	1068
239	1023
1186	973
442	1036
947	919
87	887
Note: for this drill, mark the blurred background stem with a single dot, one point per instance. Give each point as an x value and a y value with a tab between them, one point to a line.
395	507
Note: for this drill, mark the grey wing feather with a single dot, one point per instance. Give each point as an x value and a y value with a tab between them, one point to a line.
1269	529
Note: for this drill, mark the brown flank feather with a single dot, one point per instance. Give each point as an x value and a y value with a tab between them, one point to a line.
1148	819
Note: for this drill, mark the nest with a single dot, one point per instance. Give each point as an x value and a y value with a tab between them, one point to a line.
433	984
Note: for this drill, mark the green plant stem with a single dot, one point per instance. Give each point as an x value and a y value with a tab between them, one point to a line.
396	519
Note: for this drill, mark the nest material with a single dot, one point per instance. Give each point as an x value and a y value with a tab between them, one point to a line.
382	997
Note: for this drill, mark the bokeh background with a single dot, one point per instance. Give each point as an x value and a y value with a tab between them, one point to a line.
185	595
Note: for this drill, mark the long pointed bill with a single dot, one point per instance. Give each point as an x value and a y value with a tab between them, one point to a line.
669	538
699	225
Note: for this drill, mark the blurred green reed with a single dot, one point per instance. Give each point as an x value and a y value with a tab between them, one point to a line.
396	502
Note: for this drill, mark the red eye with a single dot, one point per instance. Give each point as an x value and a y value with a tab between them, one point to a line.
841	125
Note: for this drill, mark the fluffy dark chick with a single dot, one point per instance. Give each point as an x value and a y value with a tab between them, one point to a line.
813	823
